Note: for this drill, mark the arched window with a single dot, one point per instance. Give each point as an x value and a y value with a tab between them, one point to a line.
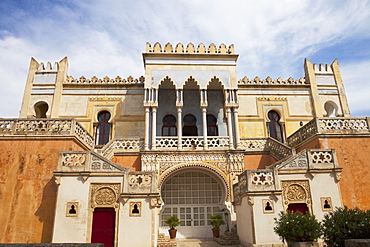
212	129
103	128
275	129
331	109
40	109
169	126
190	127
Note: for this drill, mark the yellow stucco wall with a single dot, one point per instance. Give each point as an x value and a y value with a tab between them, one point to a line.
353	156
27	188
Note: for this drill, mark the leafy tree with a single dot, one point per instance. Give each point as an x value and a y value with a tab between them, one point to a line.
346	223
297	227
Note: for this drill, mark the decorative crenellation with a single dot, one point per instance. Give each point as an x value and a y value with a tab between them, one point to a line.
328	125
322	68
48	68
46	127
190	49
106	80
269	81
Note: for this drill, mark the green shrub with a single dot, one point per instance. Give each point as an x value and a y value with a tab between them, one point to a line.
296	227
216	221
346	223
172	222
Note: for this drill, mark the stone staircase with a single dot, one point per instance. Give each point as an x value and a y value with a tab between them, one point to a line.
229	238
165	241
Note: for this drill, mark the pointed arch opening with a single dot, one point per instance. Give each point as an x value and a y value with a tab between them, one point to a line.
274	125
41	108
103	128
190	125
331	109
169	126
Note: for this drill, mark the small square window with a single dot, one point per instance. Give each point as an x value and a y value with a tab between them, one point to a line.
72	209
268	206
326	204
135	209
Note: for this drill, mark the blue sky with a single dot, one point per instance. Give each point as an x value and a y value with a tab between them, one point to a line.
106	37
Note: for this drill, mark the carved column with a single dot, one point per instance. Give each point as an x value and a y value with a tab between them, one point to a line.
179	105
154	127
236	124
204	117
179	127
230	128
146	137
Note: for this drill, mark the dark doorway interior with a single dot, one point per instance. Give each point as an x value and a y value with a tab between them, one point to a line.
103	226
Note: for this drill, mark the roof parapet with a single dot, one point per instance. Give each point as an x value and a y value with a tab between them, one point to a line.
48	68
269	81
105	80
322	68
190	49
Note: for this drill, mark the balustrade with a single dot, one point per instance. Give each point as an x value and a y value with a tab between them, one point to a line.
81	161
336	125
46	127
122	144
279	150
253	144
256	180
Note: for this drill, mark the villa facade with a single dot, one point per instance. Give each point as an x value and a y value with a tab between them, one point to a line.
108	160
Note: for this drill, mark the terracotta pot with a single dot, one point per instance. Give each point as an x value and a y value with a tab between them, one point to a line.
216	232
172	233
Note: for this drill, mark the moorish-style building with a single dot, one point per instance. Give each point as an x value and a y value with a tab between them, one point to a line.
108	160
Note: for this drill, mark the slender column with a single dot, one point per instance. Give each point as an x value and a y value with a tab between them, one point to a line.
236	124
154	127
230	128
204	116
179	127
146	137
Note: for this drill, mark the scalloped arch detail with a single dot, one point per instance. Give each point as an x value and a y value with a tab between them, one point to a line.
215	170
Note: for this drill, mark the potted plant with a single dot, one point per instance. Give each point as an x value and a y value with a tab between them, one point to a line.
172	222
298	229
216	222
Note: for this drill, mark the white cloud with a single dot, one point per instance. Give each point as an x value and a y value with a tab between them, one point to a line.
356	82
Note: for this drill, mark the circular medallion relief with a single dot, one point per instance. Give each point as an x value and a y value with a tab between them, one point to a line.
105	196
296	193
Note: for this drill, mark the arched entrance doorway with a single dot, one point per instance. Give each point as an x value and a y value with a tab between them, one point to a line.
193	195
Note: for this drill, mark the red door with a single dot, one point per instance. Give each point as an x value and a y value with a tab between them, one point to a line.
300	207
103	226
